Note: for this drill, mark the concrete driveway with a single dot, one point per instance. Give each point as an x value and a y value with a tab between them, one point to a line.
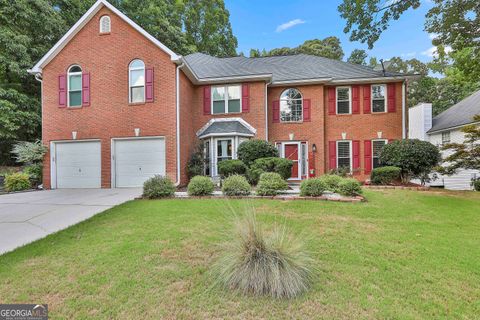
26	217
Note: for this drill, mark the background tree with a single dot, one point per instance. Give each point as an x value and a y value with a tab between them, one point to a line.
358	56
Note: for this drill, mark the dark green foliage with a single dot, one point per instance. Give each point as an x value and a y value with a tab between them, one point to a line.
313	187
158	187
342	172
270	184
385	175
230	167
17	182
196	163
251	150
331	181
34	171
200	186
358	56
415	158
476	184
279	165
236	185
349	187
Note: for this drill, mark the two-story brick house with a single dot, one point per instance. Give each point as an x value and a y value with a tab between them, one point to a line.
118	107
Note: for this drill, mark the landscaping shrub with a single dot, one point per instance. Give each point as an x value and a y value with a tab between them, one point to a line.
476	184
274	264
29	152
158	187
313	187
349	187
34	171
342	172
385	175
251	150
196	163
231	167
331	181
17	181
279	165
236	186
200	186
270	183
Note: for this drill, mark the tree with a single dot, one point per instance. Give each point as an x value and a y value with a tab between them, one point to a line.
464	155
414	157
358	56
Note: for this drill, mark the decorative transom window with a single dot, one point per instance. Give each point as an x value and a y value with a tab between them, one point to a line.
226	99
445	137
291	106
74	86
344	154
377	146
136	71
344	104
379	92
105	24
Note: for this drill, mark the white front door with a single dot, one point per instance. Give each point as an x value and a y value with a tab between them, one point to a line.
77	164
136	160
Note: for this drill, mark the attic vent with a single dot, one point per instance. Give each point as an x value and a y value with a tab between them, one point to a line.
105	25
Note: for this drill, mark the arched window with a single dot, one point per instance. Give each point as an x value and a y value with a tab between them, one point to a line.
74	86
291	106
105	25
136	72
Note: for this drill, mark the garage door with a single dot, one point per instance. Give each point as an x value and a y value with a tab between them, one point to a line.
78	164
137	160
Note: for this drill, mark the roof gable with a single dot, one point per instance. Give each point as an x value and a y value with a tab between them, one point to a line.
57	48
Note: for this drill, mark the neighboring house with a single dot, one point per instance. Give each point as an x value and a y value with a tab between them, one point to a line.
446	128
118	107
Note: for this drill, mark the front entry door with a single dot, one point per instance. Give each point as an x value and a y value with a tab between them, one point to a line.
223	151
291	153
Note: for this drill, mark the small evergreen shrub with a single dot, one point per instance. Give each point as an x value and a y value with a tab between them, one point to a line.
200	186
251	150
231	167
476	184
349	187
270	183
331	181
312	187
17	181
196	163
343	172
29	152
385	175
34	171
271	164
236	186
158	187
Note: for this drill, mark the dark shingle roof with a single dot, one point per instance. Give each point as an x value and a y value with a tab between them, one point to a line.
460	114
221	127
282	68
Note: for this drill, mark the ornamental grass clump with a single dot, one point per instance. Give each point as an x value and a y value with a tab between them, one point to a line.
271	264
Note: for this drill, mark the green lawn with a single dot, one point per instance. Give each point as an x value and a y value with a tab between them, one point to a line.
402	255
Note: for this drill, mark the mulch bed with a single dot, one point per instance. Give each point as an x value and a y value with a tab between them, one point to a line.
279	197
415	187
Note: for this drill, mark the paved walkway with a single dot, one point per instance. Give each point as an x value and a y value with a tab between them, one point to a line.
29	216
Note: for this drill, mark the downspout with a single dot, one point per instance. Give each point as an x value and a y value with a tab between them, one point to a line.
178	120
266	108
404	131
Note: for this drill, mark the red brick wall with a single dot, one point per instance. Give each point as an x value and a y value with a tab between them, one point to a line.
187	131
107	57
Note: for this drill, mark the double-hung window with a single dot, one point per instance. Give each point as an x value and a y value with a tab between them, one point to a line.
445	137
136	80
344	100
377	146
75	86
379	93
344	154
226	99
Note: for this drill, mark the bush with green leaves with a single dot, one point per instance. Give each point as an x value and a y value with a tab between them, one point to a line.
196	163
200	186
349	187
342	172
158	187
17	181
279	165
414	157
34	171
29	152
236	185
385	175
313	187
251	150
231	167
331	181
274	264
476	184
270	183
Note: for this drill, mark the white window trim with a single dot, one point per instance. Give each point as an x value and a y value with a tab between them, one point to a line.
282	144
234	141
225	99
386	142
280	101
80	73
351	153
349	99
130	69
385	98
109	24
449	137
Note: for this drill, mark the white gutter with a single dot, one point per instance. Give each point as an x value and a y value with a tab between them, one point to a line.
404	129
178	121
266	109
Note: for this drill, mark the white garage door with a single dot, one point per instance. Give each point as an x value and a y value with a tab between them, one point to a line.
136	160
78	164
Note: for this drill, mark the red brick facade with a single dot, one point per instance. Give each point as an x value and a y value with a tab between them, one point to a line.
110	115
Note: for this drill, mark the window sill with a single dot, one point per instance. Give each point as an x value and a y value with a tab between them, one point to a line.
104	33
291	122
380	112
74	107
342	114
225	114
136	103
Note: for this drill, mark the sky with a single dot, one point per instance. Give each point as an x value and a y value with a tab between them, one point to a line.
287	23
